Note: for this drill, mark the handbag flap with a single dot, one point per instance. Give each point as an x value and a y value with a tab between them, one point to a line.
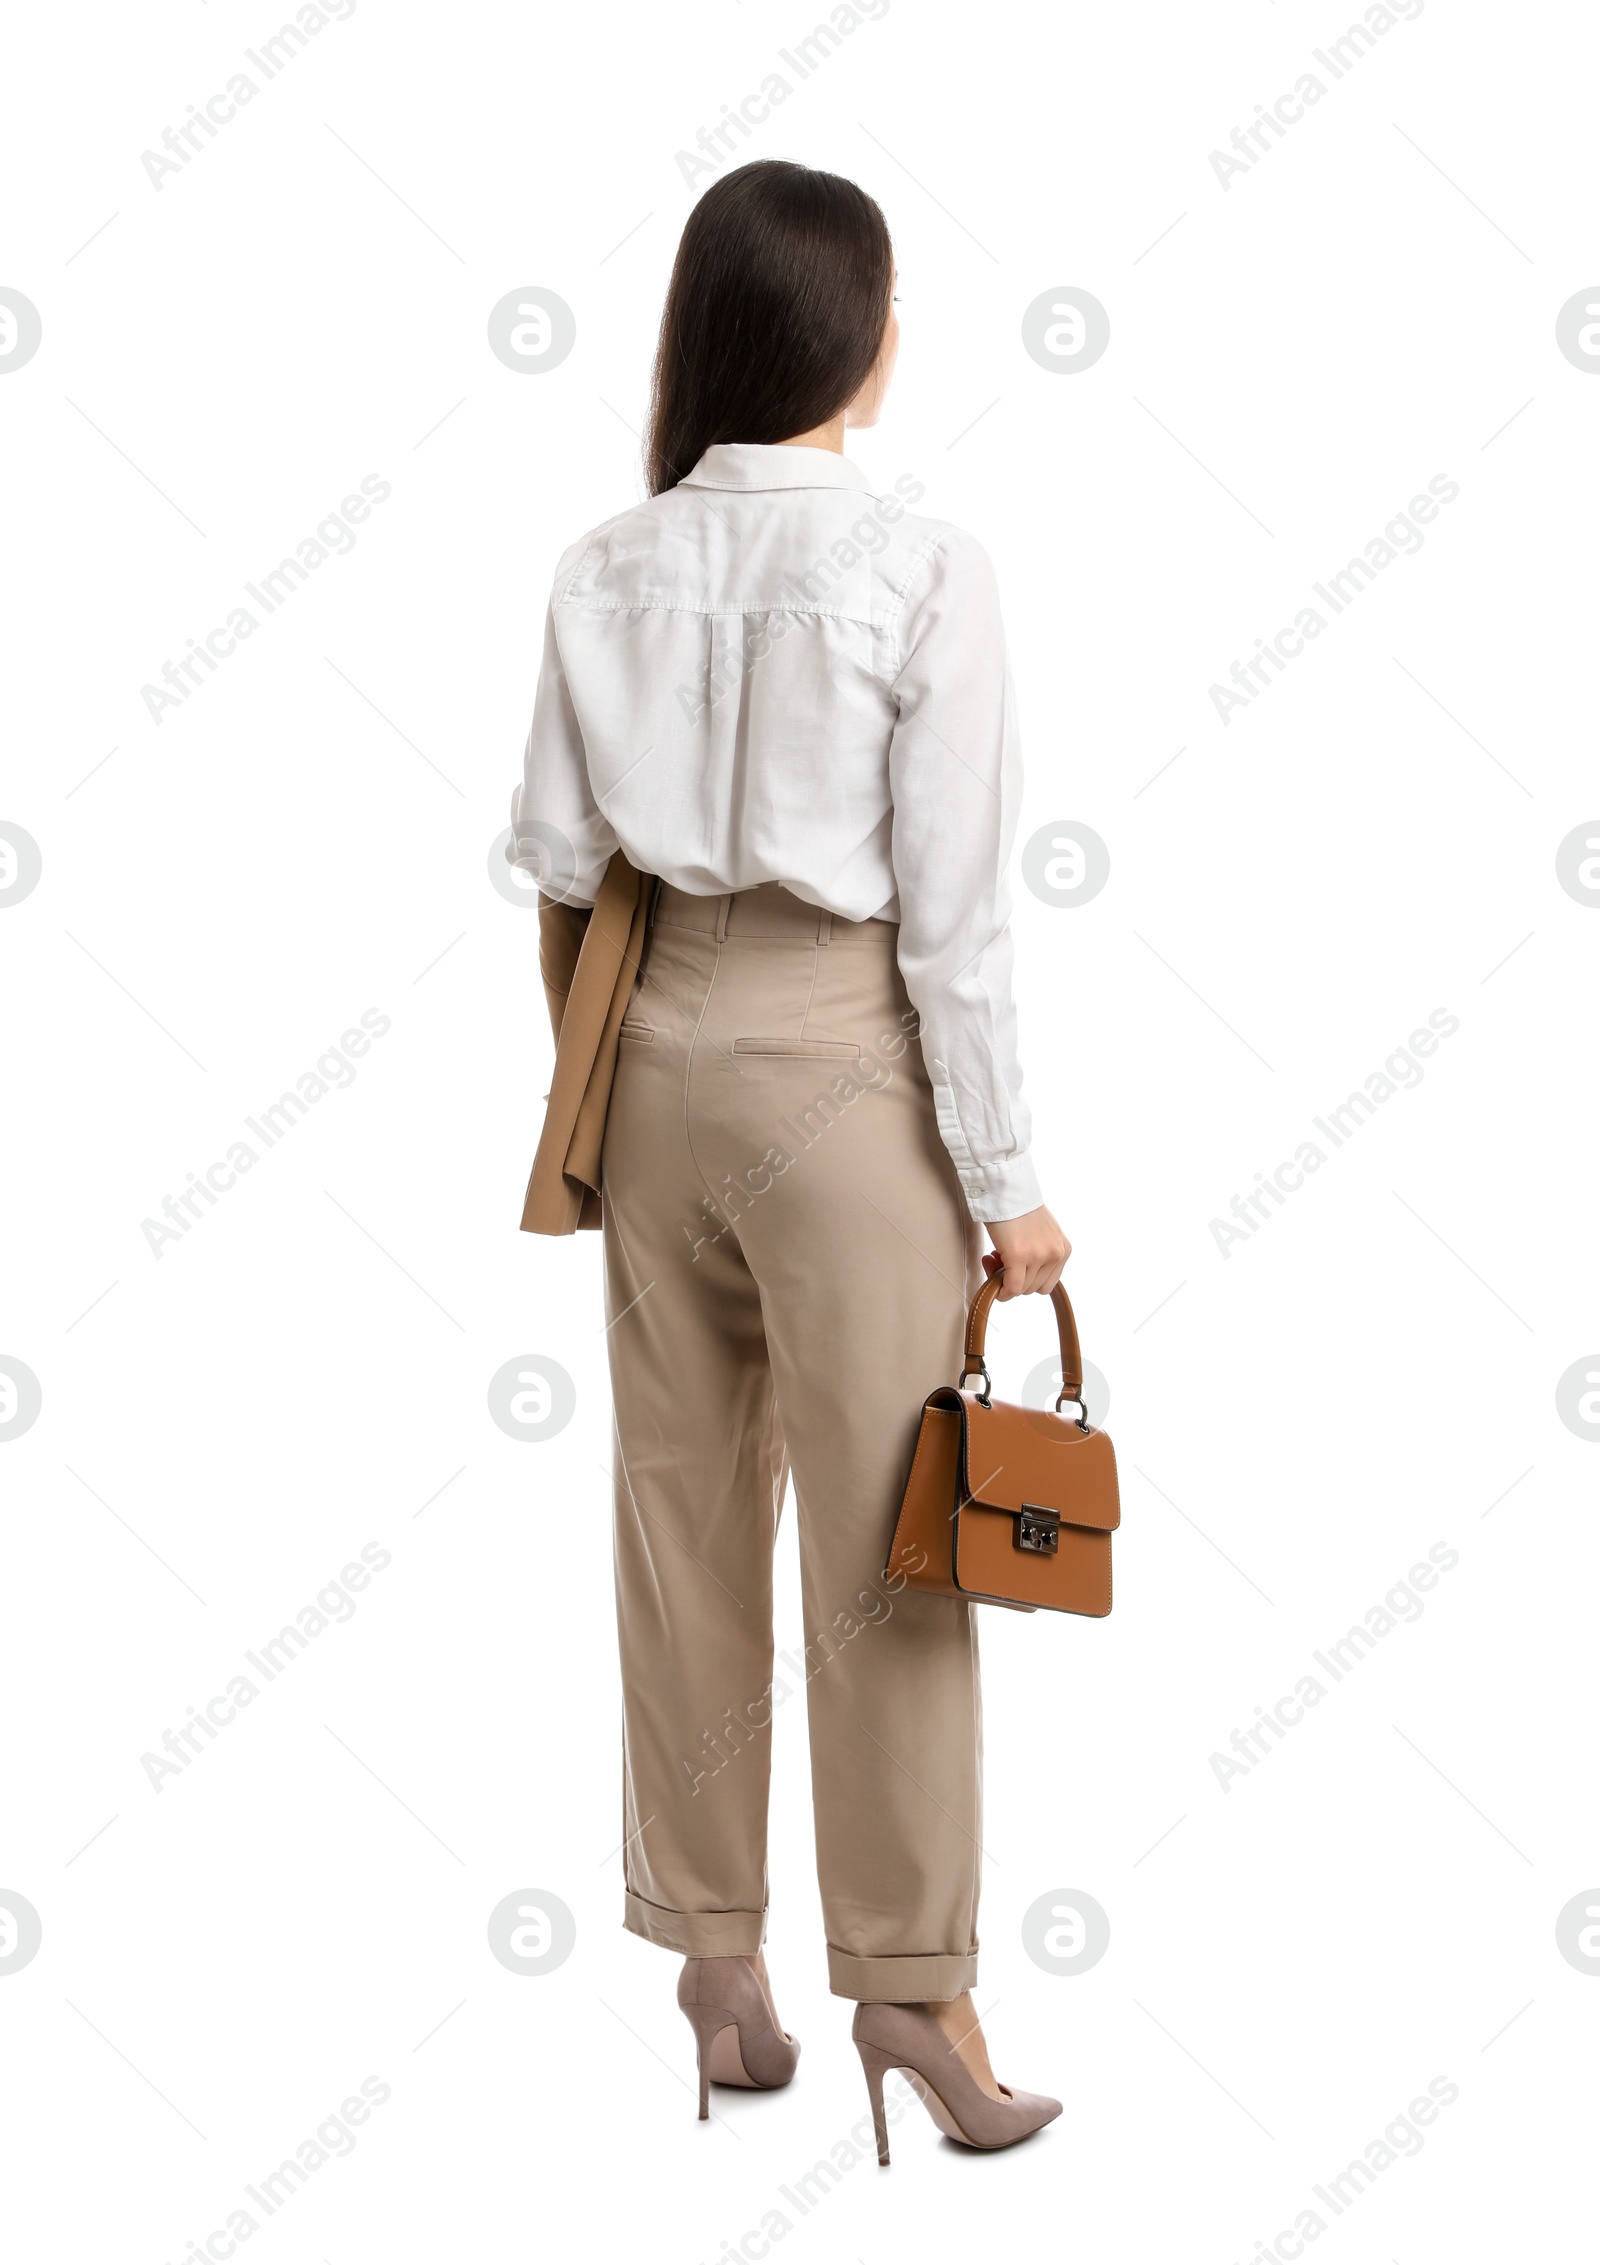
1031	1458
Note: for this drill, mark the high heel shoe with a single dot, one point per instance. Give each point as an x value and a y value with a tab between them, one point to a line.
737	2038
902	2036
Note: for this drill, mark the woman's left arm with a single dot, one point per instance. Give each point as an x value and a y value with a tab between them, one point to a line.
559	833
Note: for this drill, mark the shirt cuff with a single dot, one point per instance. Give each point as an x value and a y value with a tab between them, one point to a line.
1002	1191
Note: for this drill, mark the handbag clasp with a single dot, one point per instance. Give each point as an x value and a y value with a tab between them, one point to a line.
1038	1529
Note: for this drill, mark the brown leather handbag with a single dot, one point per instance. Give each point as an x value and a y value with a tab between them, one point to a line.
1009	1505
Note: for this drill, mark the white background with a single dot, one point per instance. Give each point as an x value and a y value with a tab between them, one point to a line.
1371	1373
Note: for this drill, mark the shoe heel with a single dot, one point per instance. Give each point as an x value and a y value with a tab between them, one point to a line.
707	2022
874	2066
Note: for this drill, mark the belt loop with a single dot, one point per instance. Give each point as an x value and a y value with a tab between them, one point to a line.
825	928
724	907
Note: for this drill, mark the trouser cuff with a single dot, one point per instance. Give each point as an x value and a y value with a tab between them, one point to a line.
697	1934
899	1981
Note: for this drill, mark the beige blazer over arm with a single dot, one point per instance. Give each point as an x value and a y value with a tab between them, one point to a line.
588	960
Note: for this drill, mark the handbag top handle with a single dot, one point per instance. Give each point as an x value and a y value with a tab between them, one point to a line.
1067	1327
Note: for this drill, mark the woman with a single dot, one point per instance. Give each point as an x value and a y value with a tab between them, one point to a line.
788	699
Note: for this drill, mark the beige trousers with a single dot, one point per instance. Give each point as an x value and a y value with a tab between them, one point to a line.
788	1261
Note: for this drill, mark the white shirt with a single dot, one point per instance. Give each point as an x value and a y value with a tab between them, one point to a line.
769	673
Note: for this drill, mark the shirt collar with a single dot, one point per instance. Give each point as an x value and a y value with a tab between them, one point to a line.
759	464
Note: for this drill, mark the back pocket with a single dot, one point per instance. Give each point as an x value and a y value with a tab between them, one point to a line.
801	1049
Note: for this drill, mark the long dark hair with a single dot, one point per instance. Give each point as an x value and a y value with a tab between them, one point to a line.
774	315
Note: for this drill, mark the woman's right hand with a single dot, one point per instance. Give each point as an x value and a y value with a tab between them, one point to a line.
1032	1250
